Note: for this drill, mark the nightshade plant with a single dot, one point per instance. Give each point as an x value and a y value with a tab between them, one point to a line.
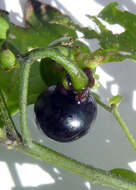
57	42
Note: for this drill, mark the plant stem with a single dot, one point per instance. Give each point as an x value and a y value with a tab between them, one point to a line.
78	77
24	77
119	119
86	171
97	98
124	128
60	40
7	121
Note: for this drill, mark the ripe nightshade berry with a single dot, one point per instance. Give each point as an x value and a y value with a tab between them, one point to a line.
63	115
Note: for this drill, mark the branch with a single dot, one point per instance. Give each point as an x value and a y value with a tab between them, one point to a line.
124	127
5	118
88	172
119	119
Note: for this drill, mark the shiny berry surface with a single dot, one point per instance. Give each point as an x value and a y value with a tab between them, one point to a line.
61	116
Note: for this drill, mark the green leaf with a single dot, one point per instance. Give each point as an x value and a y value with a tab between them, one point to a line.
4	26
113	47
36	84
115	100
38	31
9	82
128	174
126	41
2	134
51	72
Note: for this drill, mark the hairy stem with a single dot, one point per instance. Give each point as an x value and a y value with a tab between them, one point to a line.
24	77
60	40
86	171
78	77
120	120
98	100
7	121
124	128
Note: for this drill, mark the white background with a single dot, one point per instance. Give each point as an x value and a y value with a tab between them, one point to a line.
106	146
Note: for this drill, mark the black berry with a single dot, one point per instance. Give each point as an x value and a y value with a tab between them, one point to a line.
62	116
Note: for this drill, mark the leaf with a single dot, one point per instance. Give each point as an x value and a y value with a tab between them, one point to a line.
113	47
128	174
4	27
51	72
38	30
126	41
115	100
9	82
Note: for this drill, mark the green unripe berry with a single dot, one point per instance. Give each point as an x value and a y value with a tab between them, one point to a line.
7	59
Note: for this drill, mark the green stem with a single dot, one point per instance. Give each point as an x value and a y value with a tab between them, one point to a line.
60	40
119	119
7	121
97	98
24	77
124	128
86	171
78	77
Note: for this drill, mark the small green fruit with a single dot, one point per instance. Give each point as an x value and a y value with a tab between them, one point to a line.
7	59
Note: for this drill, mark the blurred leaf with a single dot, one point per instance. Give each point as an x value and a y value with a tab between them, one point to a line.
2	134
51	72
38	31
4	27
128	174
36	84
124	44
9	82
113	47
115	100
82	47
126	41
